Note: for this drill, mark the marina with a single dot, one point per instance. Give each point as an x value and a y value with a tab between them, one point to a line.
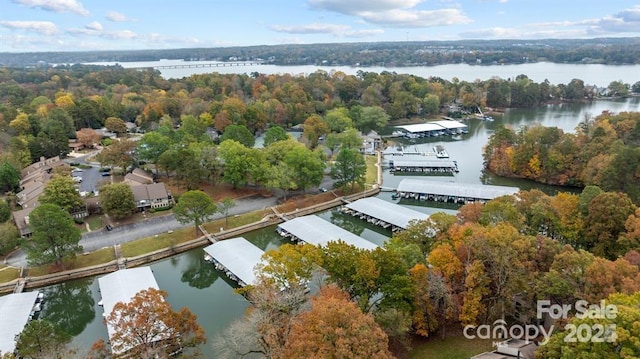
318	232
383	213
237	258
459	193
16	310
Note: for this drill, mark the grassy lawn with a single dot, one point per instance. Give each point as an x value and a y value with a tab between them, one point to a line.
235	221
150	244
95	222
455	347
100	256
8	274
372	170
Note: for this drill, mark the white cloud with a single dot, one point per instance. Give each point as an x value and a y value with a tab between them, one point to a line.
95	26
117	17
355	7
417	18
72	6
41	27
320	28
395	13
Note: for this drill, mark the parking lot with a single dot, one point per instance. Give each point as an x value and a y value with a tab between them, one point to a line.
91	178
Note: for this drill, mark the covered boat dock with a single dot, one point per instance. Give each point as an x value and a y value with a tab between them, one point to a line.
316	231
383	213
237	258
122	286
434	129
15	311
460	193
423	165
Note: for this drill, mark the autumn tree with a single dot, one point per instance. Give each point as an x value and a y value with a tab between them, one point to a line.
41	339
605	222
118	154
55	237
314	128
335	328
61	191
117	200
147	326
88	137
194	207
115	125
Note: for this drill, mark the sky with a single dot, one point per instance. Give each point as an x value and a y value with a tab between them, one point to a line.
89	25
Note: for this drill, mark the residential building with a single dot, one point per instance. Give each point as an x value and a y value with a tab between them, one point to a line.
151	196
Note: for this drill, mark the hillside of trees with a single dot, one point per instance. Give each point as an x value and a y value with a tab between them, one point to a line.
610	51
602	152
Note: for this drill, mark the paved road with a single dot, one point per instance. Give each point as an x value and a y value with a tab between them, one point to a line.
149	227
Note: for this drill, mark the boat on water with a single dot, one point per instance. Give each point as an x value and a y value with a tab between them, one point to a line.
440	151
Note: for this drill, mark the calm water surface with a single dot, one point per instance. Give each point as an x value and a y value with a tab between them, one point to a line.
193	283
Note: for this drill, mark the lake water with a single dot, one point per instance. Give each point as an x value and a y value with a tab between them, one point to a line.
600	75
193	283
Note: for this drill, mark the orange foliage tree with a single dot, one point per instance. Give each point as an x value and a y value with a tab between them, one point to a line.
335	328
147	327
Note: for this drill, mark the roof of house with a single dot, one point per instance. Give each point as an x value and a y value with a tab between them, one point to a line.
157	191
20	218
43	164
138	176
140	193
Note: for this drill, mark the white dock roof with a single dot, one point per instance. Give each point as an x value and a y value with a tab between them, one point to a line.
422	161
122	286
237	255
315	230
14	313
450	124
389	212
422	127
466	190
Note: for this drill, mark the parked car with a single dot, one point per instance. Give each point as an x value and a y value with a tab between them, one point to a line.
322	189
77	179
108	227
105	174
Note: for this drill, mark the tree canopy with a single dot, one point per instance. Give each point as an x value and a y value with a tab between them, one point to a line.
117	200
55	237
194	207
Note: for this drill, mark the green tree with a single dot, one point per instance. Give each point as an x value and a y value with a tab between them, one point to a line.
238	161
349	168
8	237
274	134
5	210
338	119
117	200
61	191
40	339
55	237
152	145
306	165
238	133
223	208
281	176
369	118
431	104
194	207
9	177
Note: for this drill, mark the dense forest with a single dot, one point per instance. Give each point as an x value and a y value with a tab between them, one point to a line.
611	51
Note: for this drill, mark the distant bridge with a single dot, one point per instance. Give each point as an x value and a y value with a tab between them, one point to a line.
200	65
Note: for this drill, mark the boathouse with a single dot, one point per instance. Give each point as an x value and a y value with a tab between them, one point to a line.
122	286
316	231
426	190
434	129
423	165
452	127
237	258
383	213
16	310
